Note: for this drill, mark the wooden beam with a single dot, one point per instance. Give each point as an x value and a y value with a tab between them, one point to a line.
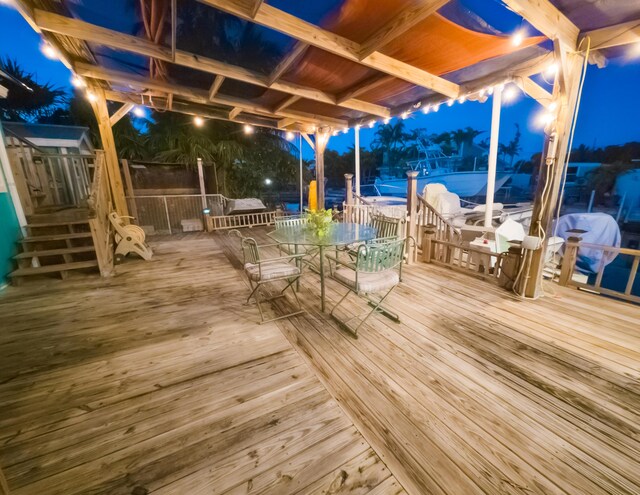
234	113
311	34
120	112
533	89
284	123
309	140
197	95
546	18
170	101
617	35
367	85
287	61
254	8
99	105
188	108
51	22
286	103
399	25
215	86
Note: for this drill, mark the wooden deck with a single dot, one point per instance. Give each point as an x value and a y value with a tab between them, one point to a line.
479	392
159	381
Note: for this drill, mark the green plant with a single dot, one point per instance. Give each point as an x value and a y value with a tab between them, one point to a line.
319	221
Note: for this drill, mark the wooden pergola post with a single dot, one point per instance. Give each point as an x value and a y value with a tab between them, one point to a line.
322	138
556	147
412	209
99	105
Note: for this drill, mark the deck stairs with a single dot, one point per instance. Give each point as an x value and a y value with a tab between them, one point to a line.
55	246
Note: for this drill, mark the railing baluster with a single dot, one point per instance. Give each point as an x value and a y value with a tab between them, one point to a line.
632	275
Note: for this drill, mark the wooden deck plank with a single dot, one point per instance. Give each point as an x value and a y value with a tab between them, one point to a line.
520	397
157	378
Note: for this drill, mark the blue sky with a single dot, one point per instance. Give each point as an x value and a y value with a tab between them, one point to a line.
609	113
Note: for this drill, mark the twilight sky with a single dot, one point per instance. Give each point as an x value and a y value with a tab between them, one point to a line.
609	112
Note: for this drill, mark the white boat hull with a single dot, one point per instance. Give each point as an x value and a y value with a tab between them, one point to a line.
464	184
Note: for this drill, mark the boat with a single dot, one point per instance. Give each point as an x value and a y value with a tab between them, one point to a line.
434	166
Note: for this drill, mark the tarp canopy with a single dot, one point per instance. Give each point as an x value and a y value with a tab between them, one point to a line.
457	43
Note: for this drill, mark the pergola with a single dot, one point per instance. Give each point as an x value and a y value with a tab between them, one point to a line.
345	63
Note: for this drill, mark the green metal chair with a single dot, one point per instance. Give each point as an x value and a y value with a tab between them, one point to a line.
289	221
261	272
376	269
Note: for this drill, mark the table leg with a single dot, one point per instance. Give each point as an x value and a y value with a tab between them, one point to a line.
322	278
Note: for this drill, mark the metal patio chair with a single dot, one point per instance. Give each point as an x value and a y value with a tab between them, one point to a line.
261	271
289	221
376	269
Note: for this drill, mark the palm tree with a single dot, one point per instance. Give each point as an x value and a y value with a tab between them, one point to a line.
30	101
464	137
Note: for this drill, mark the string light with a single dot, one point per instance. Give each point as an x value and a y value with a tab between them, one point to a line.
198	121
387	120
78	82
545	118
518	37
357	126
552	106
267	181
426	109
509	93
482	92
450	103
552	70
372	124
138	111
404	115
49	51
436	107
290	136
345	130
462	99
91	96
490	90
248	129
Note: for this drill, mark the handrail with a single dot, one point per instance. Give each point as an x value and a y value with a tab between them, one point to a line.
428	215
569	262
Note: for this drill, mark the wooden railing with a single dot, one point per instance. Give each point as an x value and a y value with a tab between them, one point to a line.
361	213
473	261
428	215
569	263
245	220
99	205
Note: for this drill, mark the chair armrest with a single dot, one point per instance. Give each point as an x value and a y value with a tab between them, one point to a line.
338	261
281	258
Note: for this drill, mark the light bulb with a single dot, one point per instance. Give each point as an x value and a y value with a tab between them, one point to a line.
387	120
545	118
436	107
518	37
49	51
248	129
426	109
78	82
345	130
267	182
490	90
482	92
372	124
138	111
509	93
552	70
404	115
198	121
450	103
290	136
462	99
552	106
91	96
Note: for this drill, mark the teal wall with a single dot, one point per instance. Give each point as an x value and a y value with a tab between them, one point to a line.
9	234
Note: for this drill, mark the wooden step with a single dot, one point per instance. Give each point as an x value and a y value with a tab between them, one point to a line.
58	224
63	267
55	252
57	237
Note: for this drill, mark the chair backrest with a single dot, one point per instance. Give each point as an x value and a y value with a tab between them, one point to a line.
249	246
380	256
290	221
387	226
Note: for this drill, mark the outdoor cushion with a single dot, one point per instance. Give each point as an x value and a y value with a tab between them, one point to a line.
271	270
368	282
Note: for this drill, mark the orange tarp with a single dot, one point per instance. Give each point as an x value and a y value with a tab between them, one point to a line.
436	45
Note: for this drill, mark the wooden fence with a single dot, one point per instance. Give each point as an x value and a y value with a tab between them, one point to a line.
99	206
569	265
244	220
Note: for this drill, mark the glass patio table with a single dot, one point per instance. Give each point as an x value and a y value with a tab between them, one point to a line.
339	234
